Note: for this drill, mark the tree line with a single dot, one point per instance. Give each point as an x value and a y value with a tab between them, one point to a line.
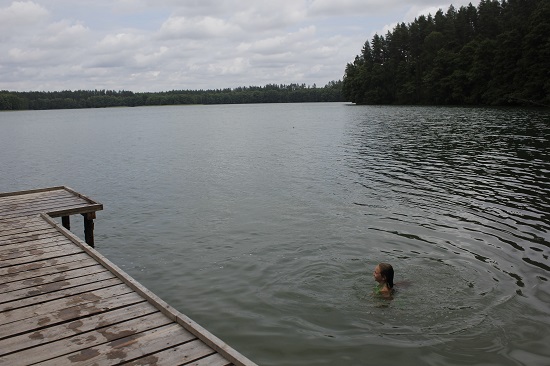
271	93
494	54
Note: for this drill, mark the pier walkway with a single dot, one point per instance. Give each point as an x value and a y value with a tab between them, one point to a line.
63	303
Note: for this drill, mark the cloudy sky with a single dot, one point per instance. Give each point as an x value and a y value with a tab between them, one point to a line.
158	45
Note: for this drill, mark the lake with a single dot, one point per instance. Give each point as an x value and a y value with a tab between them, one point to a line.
264	223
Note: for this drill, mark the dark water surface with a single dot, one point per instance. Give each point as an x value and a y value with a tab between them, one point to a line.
264	222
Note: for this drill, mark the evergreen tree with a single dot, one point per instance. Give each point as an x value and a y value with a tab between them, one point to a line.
495	54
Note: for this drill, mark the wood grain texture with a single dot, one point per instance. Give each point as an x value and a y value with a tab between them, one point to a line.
63	303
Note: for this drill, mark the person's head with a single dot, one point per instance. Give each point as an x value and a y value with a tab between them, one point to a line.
384	273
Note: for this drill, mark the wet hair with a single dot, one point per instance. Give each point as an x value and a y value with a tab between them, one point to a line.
386	270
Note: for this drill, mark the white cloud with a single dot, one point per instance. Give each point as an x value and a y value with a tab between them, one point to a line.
352	7
235	66
21	14
178	27
151	58
271	15
113	43
62	34
26	55
153	45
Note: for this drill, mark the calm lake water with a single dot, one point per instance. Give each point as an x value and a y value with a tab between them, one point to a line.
264	222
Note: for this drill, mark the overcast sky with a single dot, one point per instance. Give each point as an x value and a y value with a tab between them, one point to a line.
160	45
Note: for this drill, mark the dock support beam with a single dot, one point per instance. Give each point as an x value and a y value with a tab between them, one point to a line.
89	228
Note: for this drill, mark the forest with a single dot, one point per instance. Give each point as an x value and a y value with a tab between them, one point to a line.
494	54
271	93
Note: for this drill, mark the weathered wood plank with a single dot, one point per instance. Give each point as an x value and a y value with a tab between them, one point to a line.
22	208
23	205
48	200
32	192
211	340
130	347
112	334
66	330
44	234
6	274
38	310
66	313
179	355
38	299
35	197
213	360
57	306
53	208
30	226
32	244
7	223
59	285
39	254
12	249
38	197
81	195
49	278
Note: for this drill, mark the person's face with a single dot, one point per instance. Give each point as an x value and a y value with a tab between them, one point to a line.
377	275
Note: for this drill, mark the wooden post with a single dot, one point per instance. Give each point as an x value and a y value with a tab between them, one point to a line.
66	222
89	228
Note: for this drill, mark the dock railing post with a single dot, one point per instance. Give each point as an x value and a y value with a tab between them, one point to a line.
89	228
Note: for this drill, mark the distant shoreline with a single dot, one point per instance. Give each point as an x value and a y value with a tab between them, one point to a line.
78	99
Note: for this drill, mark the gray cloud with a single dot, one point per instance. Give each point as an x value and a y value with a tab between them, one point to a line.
153	45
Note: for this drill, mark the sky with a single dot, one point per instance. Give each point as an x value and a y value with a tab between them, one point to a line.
162	45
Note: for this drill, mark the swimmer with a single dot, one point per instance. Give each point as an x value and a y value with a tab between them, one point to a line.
383	274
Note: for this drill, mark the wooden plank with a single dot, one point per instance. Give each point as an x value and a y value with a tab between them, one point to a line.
127	348
23	204
55	286
34	240
49	278
30	237
76	210
31	245
38	200
31	191
113	334
211	340
6	234
38	254
39	207
66	330
16	221
44	194
50	308
93	286
37	197
178	355
67	313
84	197
41	198
6	274
53	210
27	227
38	310
36	273
213	360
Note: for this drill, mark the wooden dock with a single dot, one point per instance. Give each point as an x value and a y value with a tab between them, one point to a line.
63	303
